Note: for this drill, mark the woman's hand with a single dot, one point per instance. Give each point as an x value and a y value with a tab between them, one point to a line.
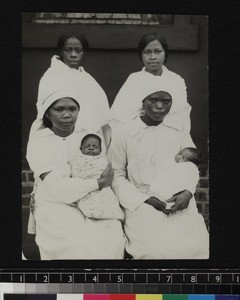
181	201
106	178
158	204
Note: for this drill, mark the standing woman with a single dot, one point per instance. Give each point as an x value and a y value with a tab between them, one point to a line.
62	231
153	53
66	71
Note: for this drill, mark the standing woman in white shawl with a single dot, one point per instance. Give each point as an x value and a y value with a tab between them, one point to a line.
153	53
62	231
66	71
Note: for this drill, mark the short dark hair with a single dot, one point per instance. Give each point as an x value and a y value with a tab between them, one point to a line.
93	136
197	156
72	34
147	38
46	121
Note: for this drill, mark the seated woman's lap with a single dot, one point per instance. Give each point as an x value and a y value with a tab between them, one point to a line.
153	234
66	232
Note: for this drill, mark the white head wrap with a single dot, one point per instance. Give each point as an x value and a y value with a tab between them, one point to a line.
175	116
47	102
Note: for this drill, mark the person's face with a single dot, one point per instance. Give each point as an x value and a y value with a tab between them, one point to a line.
63	115
91	146
153	57
183	156
72	53
157	106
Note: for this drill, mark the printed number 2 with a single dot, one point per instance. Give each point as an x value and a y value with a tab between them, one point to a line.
45	278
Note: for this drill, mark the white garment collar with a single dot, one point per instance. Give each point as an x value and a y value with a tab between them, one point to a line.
164	71
56	62
47	131
136	125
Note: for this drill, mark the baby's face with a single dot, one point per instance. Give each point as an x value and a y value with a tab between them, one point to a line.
183	156
91	146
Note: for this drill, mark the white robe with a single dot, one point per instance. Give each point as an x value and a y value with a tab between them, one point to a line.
137	151
62	231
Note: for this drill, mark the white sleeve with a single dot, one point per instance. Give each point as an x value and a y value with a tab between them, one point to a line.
40	156
187	140
129	196
68	190
41	159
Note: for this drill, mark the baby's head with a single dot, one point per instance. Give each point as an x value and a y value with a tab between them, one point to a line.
189	154
91	145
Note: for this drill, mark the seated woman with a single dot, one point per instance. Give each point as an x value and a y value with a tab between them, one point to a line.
66	67
62	231
153	54
138	149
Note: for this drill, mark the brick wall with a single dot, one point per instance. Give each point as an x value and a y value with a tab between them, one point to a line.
201	194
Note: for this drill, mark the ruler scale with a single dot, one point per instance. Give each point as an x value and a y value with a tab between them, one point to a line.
125	281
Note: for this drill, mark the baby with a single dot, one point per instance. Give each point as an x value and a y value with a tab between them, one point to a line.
174	174
90	162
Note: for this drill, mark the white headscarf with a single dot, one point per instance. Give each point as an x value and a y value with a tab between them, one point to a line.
47	102
174	117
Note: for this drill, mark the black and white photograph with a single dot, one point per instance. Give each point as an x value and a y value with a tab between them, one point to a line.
115	153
